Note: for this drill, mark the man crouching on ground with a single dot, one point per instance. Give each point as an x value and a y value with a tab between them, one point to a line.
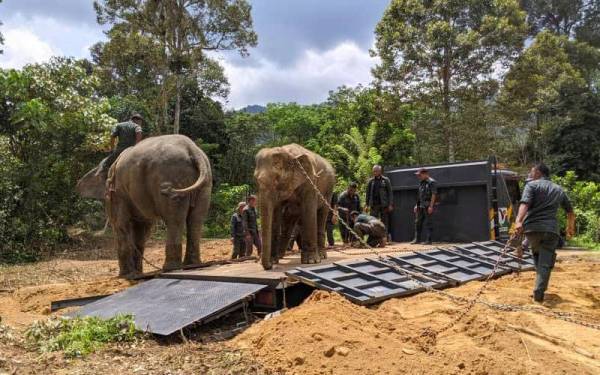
369	225
537	218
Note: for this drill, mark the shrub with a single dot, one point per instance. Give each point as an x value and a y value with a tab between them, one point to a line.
223	203
585	197
79	336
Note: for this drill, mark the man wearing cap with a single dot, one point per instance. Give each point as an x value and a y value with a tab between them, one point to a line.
371	226
426	198
238	239
129	133
379	197
348	201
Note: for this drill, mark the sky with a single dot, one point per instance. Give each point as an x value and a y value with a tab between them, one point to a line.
305	47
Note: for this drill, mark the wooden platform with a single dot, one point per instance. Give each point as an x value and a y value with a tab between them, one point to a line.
253	272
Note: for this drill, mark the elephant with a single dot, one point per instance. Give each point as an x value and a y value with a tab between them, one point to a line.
287	197
165	177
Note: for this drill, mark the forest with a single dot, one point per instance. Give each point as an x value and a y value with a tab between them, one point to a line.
455	80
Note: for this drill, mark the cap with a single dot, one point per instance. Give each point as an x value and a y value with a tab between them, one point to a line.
354	213
135	115
421	170
353	185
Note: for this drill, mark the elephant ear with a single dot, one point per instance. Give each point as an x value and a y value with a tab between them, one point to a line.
305	161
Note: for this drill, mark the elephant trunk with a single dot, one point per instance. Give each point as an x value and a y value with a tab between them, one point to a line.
266	209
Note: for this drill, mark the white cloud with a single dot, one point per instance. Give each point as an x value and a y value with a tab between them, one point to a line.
21	47
308	80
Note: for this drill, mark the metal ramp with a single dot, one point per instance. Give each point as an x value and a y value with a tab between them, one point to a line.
164	306
365	281
368	281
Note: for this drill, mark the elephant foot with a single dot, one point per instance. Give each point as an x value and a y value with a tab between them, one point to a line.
310	257
323	253
267	265
170	266
130	275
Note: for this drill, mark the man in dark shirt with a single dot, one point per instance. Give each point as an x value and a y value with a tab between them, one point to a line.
237	232
371	226
537	219
347	202
379	199
426	198
129	134
252	234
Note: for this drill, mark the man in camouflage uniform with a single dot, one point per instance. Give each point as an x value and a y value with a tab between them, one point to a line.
128	133
540	202
379	199
252	234
348	202
371	226
237	232
426	198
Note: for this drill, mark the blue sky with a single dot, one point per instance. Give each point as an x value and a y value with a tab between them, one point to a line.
305	47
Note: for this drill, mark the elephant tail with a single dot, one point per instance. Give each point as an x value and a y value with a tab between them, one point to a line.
167	188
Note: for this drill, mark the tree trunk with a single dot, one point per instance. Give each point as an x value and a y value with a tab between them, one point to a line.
177	105
446	74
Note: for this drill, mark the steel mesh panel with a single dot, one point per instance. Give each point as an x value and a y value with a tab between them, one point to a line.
164	306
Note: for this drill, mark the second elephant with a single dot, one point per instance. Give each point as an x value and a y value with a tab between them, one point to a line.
287	196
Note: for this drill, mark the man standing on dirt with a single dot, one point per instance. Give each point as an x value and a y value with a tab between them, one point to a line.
426	198
252	235
537	218
347	202
237	232
379	196
128	133
371	226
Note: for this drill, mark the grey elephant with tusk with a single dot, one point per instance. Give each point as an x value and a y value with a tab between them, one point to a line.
286	196
166	177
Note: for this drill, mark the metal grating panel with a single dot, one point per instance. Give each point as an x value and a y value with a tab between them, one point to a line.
365	281
465	259
164	306
493	249
459	273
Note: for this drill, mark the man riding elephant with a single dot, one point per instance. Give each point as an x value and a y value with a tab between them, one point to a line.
292	179
166	177
129	134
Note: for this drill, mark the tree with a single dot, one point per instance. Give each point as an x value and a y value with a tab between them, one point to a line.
355	156
53	128
550	97
183	30
441	52
1	37
564	17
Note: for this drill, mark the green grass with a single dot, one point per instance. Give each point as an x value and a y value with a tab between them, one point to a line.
80	336
585	242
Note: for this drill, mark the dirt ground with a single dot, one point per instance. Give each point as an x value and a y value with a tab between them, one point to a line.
326	334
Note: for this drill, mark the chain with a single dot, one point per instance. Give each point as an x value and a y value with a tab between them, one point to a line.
471	302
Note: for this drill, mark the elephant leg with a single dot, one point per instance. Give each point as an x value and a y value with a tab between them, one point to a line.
194	223
308	231
322	214
287	227
277	238
120	218
141	233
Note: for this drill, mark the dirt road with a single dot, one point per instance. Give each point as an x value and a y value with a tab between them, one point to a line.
326	334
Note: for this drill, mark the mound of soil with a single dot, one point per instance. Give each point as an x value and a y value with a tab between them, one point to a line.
330	335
